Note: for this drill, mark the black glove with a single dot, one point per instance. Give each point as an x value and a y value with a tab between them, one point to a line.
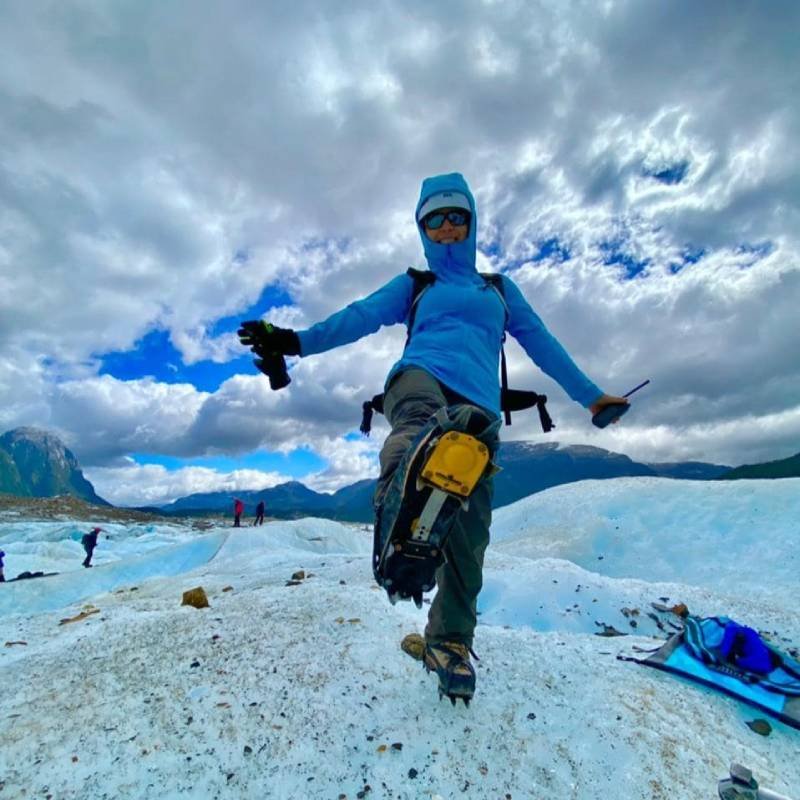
267	340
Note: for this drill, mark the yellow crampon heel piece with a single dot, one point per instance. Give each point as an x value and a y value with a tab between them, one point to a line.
457	463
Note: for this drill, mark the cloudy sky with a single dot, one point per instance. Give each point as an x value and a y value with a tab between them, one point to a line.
168	169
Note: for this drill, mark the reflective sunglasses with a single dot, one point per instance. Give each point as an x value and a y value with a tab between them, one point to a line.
436	219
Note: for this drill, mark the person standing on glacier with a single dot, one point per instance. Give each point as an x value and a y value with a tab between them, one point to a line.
451	357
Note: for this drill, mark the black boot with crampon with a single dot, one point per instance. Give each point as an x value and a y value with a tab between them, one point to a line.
451	663
432	484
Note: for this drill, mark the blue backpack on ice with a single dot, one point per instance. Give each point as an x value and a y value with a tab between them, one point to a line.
722	654
733	648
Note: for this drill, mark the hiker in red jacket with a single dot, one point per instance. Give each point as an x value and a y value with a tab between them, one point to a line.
238	510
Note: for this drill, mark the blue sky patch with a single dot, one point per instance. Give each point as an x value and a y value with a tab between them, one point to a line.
552	248
491	249
297	464
758	250
614	255
155	356
272	296
690	255
670	175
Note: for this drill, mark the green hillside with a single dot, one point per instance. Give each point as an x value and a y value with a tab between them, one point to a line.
785	468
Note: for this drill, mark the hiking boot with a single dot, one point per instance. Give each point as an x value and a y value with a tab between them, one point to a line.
451	662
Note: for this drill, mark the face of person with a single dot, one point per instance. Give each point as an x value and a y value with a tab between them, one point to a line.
447	232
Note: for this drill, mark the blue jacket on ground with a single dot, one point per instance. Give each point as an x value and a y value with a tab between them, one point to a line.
459	323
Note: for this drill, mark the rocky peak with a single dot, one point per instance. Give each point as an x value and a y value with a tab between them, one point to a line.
36	463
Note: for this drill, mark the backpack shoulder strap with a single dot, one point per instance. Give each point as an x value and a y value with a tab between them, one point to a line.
422	276
423	279
495	280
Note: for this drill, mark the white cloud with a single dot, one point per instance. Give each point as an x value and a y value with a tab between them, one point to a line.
131	178
153	484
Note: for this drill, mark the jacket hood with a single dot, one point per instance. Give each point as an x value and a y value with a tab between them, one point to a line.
448	258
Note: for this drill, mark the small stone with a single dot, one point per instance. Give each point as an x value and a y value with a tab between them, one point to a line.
248	750
531	715
412	773
299	575
397	746
760	726
194	664
680	609
608	630
227	588
197	598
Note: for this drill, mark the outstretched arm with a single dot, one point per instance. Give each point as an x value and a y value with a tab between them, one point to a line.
387	306
525	325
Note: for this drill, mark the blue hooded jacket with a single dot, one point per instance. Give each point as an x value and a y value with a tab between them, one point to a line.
459	322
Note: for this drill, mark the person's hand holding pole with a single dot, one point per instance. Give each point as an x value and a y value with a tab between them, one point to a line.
608	408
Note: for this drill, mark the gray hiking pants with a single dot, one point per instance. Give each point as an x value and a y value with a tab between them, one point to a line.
413	396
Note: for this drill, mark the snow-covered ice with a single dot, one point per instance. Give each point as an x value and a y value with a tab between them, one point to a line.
287	691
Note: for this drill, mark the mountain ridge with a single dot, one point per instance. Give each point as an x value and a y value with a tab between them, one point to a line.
35	463
527	468
781	468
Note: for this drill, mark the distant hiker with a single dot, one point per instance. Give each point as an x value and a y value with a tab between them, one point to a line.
238	510
89	542
259	520
2	572
446	380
